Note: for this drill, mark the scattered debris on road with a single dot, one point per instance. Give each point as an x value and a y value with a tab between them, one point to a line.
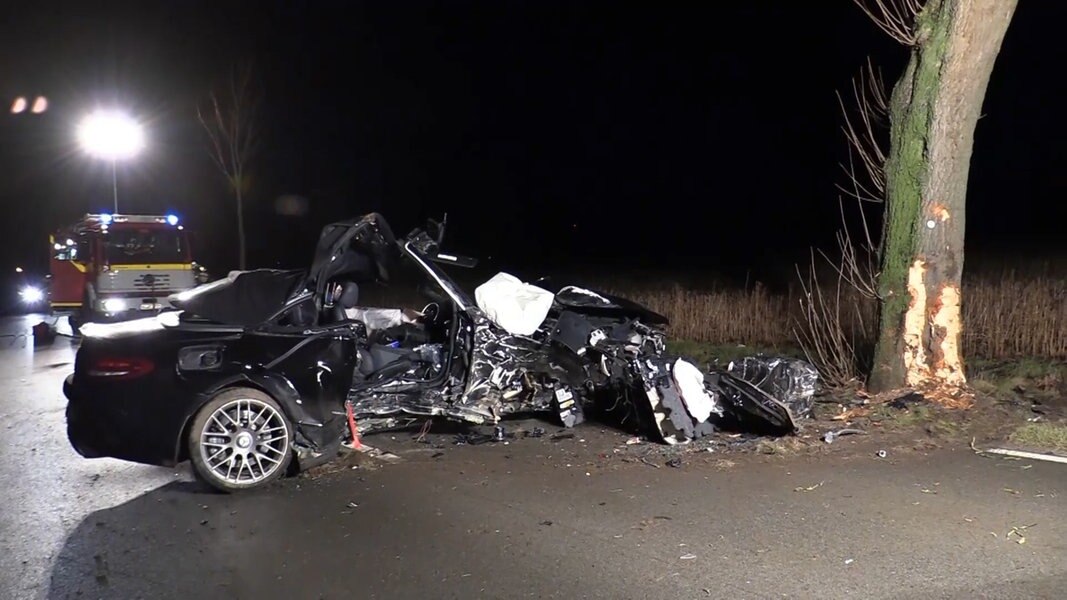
833	435
808	488
1016	533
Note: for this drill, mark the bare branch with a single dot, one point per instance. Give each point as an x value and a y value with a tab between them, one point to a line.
837	311
871	108
229	119
895	17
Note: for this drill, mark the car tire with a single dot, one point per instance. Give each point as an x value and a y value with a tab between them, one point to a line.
240	439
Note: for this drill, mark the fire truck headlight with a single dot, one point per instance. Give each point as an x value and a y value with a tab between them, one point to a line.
105	219
172	220
31	295
113	305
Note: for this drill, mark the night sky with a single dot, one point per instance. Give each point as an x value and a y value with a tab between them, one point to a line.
700	136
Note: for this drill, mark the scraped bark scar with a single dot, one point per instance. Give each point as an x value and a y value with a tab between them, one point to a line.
915	368
932	331
948	367
940	212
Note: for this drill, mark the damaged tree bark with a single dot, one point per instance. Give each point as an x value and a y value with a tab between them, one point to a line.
933	112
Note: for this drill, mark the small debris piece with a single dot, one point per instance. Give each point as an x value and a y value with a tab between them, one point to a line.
562	436
204	522
634	440
422	433
675	462
882	454
851	413
902	402
849	561
833	435
808	488
536	433
437	455
499	433
353	505
687	556
546	523
100	570
1013	492
473	439
1018	533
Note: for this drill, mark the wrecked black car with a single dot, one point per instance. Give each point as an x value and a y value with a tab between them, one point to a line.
267	372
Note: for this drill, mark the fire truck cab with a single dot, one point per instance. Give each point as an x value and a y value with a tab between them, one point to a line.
111	267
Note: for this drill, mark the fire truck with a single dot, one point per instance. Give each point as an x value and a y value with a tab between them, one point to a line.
112	267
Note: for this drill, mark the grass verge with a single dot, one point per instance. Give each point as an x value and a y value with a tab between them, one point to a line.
1046	436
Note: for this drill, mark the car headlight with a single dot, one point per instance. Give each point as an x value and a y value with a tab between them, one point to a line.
112	305
31	295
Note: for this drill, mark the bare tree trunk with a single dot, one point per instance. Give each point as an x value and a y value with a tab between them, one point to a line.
934	109
239	195
230	121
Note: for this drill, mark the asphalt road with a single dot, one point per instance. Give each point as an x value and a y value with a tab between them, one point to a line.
536	518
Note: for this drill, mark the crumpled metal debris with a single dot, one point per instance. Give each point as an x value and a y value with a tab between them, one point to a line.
791	381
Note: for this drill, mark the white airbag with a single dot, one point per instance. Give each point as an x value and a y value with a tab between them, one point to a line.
518	307
690	382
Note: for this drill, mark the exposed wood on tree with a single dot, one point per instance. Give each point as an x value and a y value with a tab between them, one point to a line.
933	112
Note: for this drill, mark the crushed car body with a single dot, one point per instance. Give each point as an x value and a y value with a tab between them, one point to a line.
266	366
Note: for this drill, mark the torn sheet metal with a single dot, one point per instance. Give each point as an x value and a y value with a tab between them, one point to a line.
791	381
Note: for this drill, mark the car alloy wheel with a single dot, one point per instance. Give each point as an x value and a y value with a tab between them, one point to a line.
244	441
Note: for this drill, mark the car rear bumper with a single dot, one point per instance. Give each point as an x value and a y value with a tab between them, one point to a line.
115	427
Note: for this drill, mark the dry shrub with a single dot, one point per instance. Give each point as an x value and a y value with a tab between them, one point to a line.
1009	316
753	317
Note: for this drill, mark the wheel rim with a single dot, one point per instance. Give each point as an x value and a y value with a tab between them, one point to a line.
244	441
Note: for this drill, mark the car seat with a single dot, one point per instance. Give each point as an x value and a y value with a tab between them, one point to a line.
348	298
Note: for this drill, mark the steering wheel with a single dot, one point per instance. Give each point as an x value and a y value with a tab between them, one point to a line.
431	312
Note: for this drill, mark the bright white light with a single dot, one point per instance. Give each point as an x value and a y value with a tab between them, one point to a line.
19	105
133	327
172	219
40	104
113	305
110	135
31	295
70	242
58	246
18	269
105	219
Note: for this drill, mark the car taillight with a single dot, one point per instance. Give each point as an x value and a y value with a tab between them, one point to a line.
121	368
